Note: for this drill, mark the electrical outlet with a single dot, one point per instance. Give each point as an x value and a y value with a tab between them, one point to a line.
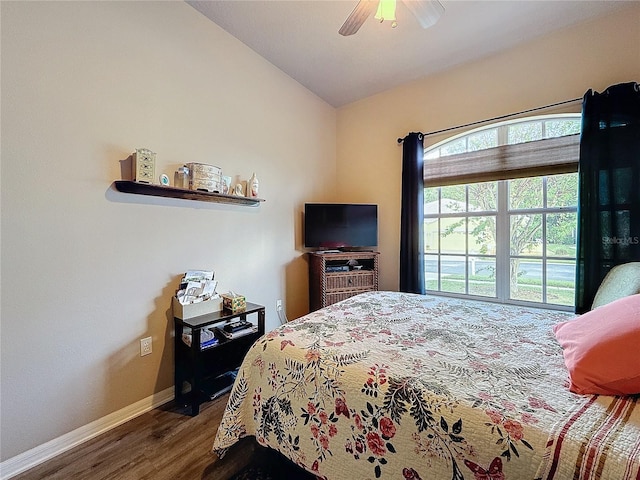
145	346
278	305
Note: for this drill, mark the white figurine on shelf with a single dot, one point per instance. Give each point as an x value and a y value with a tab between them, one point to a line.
239	191
252	186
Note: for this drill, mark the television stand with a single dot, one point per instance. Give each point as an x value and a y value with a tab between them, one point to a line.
334	276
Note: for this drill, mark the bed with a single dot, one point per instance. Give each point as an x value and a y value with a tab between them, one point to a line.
404	386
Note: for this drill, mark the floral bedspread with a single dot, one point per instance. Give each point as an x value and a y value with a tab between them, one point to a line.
404	386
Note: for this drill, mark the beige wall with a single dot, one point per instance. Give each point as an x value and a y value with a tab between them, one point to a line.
87	271
552	69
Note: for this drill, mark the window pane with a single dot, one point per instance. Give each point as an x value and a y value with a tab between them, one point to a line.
432	154
526	235
482	276
456	146
562	190
431	272
524	132
431	194
483	140
431	200
453	274
526	280
453	234
453	199
525	193
431	235
561	235
561	282
481	238
483	197
560	128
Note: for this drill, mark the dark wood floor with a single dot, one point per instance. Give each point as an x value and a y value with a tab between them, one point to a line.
165	443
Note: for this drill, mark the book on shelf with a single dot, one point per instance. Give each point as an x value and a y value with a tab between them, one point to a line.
207	338
209	343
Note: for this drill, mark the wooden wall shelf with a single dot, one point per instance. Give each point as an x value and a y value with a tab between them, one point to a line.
127	186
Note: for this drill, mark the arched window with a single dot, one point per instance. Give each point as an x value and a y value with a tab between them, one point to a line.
500	212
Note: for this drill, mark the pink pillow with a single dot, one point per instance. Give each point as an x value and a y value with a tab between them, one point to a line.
602	348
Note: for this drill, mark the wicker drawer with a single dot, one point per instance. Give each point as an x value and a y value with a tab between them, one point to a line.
353	280
337	296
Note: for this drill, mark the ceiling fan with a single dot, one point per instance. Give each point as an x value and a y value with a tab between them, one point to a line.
427	12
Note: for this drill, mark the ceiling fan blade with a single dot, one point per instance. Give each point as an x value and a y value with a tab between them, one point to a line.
357	17
426	11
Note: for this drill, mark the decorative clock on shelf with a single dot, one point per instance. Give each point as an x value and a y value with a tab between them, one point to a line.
144	165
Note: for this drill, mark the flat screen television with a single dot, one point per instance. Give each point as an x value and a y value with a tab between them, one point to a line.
340	225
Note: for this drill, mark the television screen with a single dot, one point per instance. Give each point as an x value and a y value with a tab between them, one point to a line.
340	225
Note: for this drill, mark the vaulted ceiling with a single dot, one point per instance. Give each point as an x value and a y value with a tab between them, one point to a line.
301	38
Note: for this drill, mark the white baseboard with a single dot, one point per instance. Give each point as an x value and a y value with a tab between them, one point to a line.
29	459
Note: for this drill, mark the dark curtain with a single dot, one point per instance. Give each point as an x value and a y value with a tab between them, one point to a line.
609	187
412	215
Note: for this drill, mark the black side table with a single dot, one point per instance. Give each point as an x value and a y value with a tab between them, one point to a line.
208	369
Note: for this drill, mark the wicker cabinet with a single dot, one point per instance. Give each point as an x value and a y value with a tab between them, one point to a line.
336	276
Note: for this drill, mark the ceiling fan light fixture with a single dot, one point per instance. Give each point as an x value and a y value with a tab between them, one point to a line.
357	17
386	11
427	12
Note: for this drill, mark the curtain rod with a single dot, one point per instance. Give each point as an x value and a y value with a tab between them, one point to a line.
501	117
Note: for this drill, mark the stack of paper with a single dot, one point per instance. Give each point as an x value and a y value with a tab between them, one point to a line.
197	286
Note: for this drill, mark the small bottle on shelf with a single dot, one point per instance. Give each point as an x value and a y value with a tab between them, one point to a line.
253	186
181	178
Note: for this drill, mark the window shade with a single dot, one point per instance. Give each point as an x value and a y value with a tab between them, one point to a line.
540	157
